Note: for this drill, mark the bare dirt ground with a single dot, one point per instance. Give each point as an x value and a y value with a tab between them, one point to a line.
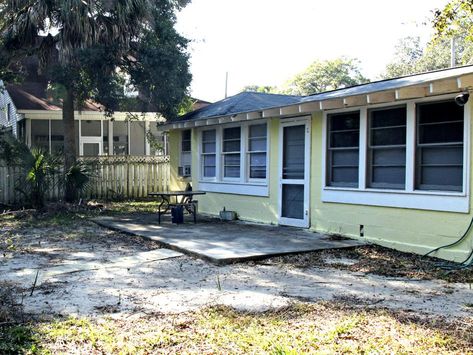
70	266
81	268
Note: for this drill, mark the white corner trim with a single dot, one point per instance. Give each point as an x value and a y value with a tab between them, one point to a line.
237	189
422	201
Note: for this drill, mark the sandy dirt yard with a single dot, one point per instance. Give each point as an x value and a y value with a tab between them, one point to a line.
61	267
83	269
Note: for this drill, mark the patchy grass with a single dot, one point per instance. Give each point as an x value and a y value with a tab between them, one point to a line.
300	328
380	261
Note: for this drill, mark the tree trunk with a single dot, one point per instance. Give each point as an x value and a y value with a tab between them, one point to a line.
69	142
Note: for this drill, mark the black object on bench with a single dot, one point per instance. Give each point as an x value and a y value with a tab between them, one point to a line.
183	200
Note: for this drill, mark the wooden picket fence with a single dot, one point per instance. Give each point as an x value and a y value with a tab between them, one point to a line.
113	178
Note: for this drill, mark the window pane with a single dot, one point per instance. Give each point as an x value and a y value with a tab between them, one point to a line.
345	121
345	176
105	137
258	165
440	164
232	171
40	134
90	128
345	139
345	157
208	148
57	137
258	130
231	133
258	144
231	164
137	138
389	156
209	171
209	165
186	140
91	149
208	136
439	112
441	133
389	177
442	155
232	159
448	178
388	117
120	138
293	201
294	152
231	146
388	136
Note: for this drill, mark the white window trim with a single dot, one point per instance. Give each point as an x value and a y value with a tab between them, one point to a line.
242	185
408	198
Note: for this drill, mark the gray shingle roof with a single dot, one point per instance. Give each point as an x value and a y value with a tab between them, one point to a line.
242	102
252	101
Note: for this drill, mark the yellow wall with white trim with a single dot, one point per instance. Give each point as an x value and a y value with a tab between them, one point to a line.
408	230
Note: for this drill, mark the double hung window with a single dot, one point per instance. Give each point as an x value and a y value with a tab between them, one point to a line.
439	156
231	147
387	148
343	149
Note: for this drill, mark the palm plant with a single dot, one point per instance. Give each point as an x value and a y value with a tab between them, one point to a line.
87	47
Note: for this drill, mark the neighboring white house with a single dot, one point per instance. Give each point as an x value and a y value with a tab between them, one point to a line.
36	119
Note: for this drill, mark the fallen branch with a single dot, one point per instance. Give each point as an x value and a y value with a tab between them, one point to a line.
17	212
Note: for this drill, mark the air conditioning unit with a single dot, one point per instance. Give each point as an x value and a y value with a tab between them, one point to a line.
184	171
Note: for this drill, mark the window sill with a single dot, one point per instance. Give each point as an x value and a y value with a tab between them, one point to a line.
249	189
423	200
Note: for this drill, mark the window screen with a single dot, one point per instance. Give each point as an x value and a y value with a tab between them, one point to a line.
387	148
231	142
40	134
209	150
57	137
343	149
439	151
257	151
120	138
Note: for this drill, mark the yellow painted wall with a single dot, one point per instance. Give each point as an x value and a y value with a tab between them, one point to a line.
408	230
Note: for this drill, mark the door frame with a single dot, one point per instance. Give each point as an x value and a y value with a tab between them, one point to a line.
90	140
296	121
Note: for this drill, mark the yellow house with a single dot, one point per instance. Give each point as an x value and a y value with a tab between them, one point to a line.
388	162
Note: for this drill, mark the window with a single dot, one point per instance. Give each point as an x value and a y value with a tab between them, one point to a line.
8	108
231	145
186	157
40	134
137	138
387	148
343	149
439	150
417	149
120	138
105	141
233	159
57	136
209	149
257	142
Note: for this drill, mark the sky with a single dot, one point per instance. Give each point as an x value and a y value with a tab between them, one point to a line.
266	42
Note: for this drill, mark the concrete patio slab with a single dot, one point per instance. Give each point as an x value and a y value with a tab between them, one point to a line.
225	242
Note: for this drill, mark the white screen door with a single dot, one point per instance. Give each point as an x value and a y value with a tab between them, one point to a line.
294	173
